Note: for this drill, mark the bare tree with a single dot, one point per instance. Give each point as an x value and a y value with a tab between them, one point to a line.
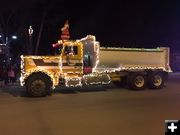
46	7
40	31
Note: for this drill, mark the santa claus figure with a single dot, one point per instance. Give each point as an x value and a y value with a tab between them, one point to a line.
65	31
64	35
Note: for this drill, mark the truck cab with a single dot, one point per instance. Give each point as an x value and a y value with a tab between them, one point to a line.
72	58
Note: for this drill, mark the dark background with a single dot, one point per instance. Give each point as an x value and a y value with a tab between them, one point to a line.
121	23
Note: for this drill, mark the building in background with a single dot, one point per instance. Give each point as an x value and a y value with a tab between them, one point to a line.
4	51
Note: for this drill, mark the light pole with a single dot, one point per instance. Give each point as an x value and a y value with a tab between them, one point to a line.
8	41
30	39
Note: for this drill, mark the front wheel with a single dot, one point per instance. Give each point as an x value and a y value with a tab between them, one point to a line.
38	85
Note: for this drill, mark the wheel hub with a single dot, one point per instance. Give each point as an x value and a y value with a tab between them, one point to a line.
139	81
157	80
38	86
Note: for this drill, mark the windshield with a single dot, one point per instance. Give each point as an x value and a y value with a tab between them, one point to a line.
58	50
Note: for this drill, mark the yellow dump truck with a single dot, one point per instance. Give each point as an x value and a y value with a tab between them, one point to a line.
84	62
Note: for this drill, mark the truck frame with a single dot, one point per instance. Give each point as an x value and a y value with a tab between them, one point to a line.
83	62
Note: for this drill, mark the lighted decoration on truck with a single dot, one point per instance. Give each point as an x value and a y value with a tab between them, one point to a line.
91	64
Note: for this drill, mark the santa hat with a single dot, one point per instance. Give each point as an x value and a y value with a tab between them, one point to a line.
66	26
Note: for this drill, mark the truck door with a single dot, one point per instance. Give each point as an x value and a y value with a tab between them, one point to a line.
72	59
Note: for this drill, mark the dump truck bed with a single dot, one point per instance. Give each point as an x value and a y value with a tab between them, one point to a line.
133	58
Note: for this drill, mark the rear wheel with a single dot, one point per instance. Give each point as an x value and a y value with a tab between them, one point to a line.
136	81
38	84
156	80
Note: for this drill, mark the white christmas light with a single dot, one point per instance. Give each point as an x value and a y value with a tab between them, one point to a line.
96	76
69	79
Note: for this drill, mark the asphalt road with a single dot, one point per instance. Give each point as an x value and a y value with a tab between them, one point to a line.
90	111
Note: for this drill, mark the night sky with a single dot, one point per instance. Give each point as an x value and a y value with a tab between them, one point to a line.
121	23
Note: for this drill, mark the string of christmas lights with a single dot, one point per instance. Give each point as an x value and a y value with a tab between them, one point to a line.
99	75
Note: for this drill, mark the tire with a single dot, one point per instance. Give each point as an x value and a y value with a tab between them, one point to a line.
156	80
38	85
136	81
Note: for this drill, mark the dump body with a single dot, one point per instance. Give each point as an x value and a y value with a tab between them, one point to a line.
130	59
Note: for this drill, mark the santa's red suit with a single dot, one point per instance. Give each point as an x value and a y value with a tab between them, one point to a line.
65	31
64	35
